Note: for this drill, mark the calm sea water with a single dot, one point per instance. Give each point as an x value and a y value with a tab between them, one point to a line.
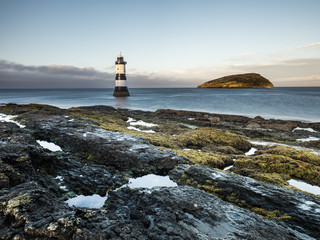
281	103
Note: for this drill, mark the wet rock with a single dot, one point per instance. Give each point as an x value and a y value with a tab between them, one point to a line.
188	213
266	199
90	143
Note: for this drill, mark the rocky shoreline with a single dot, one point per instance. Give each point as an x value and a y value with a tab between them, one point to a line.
103	147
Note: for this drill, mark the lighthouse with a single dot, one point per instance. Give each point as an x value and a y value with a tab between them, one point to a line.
121	89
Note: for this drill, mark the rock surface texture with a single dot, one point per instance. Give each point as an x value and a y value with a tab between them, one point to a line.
248	80
207	203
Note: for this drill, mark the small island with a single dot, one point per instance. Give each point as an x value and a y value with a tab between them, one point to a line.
247	80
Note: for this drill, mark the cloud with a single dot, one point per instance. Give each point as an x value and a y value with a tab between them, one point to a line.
13	75
292	72
311	45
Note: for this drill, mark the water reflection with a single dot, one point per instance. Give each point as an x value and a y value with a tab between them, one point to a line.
121	102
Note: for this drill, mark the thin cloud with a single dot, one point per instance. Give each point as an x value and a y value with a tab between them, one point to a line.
247	53
292	72
311	45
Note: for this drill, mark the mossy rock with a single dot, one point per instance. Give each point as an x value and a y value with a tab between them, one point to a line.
205	158
248	80
202	137
284	161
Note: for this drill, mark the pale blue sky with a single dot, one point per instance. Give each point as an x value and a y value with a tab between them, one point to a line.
173	42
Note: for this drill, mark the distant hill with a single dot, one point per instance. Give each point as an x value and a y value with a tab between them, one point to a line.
247	80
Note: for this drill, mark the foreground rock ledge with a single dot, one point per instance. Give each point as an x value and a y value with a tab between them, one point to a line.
94	160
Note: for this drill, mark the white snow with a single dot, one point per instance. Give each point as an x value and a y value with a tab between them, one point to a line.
227	168
150	181
308	139
49	145
216	175
131	120
139	130
304	129
9	118
251	151
191	119
309	205
60	178
305	186
85	135
71	120
189	126
64	188
134	122
94	201
186	149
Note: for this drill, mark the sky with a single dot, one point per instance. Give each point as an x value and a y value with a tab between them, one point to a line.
167	43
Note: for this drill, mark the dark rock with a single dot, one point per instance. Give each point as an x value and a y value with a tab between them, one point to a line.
112	149
301	208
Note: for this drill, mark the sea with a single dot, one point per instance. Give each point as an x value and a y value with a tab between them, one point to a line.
289	103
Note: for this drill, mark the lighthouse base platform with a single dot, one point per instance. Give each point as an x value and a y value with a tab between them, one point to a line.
121	92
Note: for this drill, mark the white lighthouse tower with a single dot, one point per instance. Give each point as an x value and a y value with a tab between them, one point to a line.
121	89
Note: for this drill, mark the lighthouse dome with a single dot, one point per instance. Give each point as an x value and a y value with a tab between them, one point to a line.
120	55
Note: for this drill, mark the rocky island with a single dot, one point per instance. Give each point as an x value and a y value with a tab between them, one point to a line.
232	177
248	80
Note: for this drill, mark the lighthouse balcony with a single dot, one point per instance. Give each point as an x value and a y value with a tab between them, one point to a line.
120	62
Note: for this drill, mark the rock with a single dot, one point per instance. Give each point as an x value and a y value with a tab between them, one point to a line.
112	149
258	118
214	120
161	213
253	125
35	182
248	80
296	209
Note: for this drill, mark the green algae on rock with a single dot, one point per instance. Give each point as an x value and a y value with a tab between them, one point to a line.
247	80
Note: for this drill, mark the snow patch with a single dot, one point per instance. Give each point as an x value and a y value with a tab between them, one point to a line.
64	188
216	175
189	126
94	201
134	122
9	118
191	119
49	145
305	186
139	130
251	151
131	120
60	178
227	168
309	205
308	139
304	129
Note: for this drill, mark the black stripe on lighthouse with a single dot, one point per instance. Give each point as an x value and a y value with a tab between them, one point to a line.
121	76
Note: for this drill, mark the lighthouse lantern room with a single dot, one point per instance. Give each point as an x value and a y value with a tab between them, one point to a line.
121	89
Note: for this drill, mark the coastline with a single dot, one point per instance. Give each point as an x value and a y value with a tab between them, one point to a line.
279	103
244	166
